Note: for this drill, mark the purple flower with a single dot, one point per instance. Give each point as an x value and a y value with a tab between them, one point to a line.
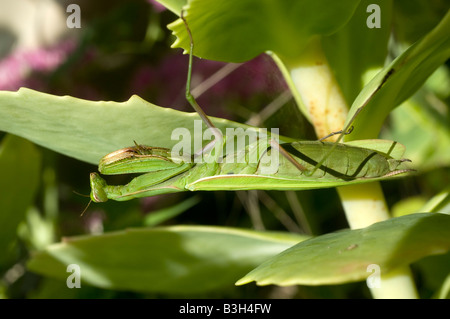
157	6
18	66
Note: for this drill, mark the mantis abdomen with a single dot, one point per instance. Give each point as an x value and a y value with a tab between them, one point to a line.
341	162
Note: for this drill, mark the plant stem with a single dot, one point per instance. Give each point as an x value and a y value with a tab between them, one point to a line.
396	284
315	89
319	97
365	205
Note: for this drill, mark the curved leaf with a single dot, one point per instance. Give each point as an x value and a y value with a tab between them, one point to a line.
239	30
179	259
356	50
88	130
344	256
399	81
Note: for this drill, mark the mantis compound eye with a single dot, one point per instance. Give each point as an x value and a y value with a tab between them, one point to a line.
97	188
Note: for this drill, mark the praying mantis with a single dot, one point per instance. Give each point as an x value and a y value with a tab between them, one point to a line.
262	164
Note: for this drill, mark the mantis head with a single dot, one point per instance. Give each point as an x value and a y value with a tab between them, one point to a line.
98	184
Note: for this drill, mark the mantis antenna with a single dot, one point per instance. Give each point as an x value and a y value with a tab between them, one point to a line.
84	210
87	206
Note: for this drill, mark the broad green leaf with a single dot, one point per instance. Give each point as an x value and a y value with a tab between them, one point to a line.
88	130
178	259
344	256
356	50
20	164
239	30
400	80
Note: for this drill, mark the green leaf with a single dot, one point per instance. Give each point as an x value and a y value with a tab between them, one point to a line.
88	130
400	80
20	164
355	51
444	291
439	203
239	30
344	256
179	259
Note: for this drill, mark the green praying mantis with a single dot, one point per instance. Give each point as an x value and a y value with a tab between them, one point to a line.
262	164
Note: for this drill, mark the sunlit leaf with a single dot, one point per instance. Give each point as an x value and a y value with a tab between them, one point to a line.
344	256
400	80
239	30
179	259
355	51
88	130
